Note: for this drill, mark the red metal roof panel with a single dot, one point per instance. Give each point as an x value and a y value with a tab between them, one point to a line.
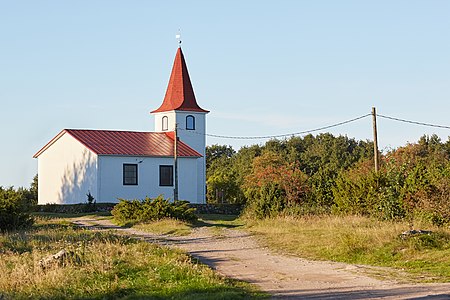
133	143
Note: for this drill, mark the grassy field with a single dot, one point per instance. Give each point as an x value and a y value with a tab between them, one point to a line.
103	266
360	240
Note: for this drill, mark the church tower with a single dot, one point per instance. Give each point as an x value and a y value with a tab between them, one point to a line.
180	109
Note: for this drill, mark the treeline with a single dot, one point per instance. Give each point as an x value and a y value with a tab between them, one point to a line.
15	205
329	174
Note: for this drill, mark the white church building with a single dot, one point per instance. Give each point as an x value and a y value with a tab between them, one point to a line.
129	164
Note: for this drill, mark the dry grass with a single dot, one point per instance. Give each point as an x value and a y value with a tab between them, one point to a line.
104	266
165	227
360	240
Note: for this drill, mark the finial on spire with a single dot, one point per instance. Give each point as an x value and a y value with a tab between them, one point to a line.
178	37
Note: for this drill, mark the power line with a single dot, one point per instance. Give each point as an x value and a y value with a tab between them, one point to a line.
287	134
318	129
413	122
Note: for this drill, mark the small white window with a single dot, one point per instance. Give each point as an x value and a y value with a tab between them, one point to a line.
190	122
165	123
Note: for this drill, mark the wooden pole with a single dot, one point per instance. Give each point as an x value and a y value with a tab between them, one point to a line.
375	140
175	163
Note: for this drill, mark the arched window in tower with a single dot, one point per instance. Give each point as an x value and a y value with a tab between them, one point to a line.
190	122
165	123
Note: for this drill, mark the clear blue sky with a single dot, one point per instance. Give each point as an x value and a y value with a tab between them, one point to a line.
261	67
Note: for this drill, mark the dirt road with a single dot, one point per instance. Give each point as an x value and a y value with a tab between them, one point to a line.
238	255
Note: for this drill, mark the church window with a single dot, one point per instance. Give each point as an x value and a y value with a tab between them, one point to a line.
130	174
165	123
190	122
165	175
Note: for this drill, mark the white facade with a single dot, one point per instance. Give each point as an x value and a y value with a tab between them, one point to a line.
110	184
195	138
68	171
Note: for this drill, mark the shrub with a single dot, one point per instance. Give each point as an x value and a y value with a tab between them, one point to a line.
266	201
12	210
154	209
413	181
90	205
362	191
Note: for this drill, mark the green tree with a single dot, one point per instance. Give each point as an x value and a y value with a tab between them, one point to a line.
12	210
215	152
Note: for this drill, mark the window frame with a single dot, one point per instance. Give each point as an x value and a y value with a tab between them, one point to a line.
190	117
165	123
161	182
126	176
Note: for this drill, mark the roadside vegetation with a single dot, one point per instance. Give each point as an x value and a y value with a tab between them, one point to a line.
128	212
324	174
103	266
167	226
360	240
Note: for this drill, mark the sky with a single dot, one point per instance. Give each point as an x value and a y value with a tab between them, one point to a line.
260	67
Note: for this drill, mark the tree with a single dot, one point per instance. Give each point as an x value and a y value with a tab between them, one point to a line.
34	189
274	184
12	210
215	152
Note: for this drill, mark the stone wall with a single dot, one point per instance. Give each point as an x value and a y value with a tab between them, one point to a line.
221	209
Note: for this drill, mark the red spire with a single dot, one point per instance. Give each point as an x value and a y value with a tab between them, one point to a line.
179	93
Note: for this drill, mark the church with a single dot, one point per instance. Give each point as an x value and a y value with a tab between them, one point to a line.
129	164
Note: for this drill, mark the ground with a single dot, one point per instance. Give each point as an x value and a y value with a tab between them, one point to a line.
237	254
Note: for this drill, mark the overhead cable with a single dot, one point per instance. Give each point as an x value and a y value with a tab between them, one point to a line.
287	134
413	122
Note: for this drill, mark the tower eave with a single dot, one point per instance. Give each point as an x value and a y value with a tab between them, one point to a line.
200	110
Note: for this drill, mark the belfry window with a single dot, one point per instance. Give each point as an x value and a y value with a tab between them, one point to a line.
190	122
165	123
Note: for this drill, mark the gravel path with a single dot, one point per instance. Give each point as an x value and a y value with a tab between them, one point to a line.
237	254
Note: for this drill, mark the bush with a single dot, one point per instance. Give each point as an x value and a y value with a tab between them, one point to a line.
273	185
412	181
149	209
364	192
266	201
12	210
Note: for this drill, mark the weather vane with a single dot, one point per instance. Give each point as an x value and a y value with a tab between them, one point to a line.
178	37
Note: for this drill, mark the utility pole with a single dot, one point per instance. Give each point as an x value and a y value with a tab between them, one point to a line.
375	139
175	164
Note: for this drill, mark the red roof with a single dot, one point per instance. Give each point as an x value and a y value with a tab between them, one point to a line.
108	142
179	93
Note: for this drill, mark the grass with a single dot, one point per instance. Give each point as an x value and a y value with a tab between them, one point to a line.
360	240
165	227
104	266
215	222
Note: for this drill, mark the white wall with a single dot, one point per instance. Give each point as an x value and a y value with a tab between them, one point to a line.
67	172
111	178
196	139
